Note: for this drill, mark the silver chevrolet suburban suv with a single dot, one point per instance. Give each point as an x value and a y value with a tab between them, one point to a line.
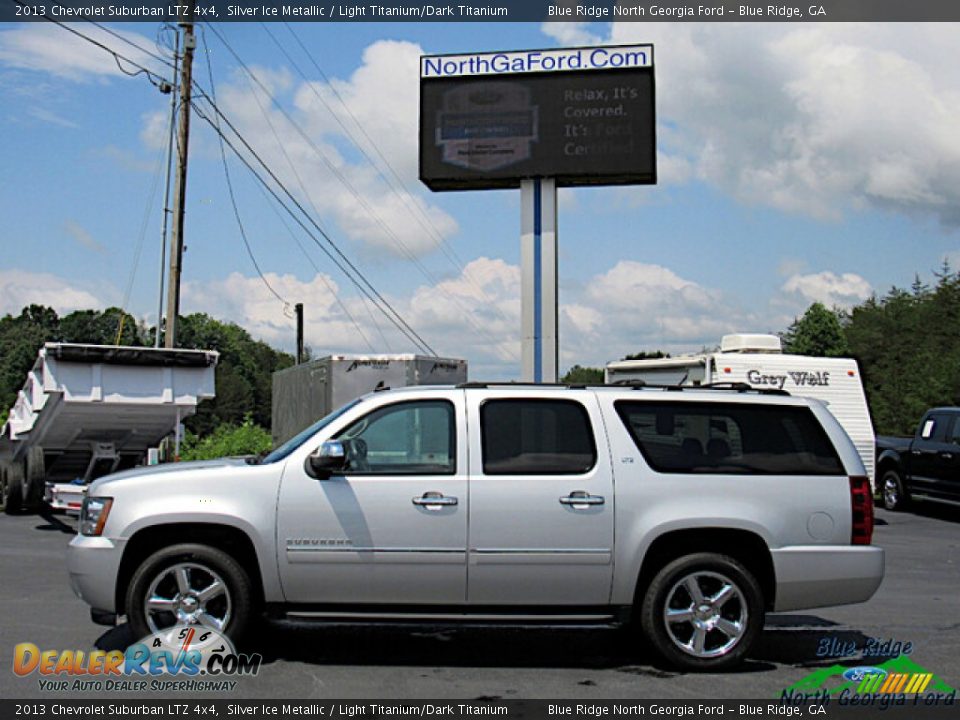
691	512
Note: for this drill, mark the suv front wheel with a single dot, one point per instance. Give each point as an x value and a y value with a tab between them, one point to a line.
703	612
189	584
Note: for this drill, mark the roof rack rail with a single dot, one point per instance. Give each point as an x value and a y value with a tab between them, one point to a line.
481	384
739	387
743	387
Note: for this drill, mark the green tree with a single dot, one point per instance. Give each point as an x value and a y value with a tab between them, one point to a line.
101	328
578	375
244	372
818	333
21	337
227	440
908	348
644	355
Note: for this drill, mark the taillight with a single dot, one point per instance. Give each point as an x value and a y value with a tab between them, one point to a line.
861	510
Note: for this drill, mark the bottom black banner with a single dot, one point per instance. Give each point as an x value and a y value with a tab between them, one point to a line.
829	708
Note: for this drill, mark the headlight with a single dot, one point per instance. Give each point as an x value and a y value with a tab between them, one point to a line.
93	515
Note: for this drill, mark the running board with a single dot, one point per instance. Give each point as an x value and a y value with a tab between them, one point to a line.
408	614
449	617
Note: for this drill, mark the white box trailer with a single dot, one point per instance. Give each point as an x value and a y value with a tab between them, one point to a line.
304	393
757	361
87	410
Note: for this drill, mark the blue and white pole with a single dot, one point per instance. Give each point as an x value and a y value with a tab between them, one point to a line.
538	284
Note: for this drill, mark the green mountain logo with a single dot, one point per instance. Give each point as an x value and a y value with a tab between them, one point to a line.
830	681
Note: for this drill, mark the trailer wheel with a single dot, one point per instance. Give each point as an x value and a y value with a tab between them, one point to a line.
13	492
36	475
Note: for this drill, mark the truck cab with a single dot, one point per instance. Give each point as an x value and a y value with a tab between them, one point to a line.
926	466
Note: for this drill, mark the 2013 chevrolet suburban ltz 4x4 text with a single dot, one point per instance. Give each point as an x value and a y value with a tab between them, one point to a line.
691	512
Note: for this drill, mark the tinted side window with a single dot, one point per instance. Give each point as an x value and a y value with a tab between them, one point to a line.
955	435
536	437
935	428
730	438
412	438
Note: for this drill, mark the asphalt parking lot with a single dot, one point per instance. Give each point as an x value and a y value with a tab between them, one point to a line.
917	603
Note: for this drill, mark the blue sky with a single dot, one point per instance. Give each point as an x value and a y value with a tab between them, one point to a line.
798	162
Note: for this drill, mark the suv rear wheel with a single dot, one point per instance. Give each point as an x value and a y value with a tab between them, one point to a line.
189	584
703	612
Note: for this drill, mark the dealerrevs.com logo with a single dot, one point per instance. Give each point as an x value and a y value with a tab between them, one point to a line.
180	658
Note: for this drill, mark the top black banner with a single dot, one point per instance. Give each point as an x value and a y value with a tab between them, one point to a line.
481	11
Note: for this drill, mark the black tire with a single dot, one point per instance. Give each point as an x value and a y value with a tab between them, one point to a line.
203	564
13	493
725	625
36	477
893	494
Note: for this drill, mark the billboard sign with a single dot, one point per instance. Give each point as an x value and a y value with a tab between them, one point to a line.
584	116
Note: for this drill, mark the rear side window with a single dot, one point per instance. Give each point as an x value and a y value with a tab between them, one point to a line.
730	438
536	437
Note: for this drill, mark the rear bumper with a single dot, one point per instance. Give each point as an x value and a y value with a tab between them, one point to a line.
93	563
820	576
65	497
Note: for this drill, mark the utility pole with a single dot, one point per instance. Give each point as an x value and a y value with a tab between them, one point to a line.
174	96
180	180
298	308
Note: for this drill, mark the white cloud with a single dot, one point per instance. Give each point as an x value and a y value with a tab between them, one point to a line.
487	291
829	288
48	48
476	315
19	288
637	306
570	33
815	119
84	238
48	116
383	215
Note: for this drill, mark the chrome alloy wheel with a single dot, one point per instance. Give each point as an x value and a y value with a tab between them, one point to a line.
705	614
187	594
891	491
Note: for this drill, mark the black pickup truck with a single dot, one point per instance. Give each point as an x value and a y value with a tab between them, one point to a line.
927	465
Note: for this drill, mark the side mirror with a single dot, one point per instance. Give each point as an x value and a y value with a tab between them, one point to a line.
326	460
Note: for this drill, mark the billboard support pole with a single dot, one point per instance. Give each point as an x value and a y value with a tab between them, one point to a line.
538	284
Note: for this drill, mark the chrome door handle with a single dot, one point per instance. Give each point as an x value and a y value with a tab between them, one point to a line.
580	498
946	455
433	500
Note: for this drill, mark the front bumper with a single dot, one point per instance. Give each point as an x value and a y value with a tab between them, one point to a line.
93	564
811	576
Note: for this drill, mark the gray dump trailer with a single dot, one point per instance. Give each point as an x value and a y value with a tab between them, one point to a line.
305	393
88	410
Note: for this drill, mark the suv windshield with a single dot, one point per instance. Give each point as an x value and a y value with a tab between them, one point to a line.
301	437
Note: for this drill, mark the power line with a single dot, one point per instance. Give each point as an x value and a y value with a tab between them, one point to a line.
360	281
409	329
353	191
233	199
129	42
416	211
153	77
270	201
303	187
366	287
134	265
